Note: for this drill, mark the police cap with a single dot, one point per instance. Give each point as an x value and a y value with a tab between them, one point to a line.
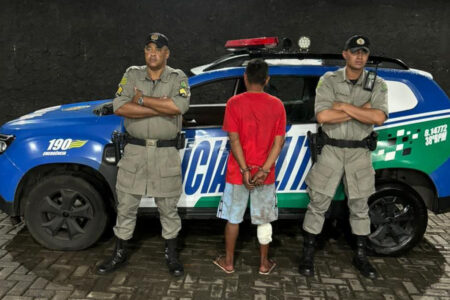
159	39
357	42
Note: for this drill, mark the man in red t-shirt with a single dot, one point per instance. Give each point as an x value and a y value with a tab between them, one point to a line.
256	125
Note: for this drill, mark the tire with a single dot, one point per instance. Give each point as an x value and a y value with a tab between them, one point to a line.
65	212
398	218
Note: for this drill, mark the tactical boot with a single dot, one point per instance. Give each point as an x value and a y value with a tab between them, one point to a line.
306	267
117	260
360	260
171	254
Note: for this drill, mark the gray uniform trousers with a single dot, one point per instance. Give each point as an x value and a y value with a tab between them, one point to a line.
127	210
354	168
318	206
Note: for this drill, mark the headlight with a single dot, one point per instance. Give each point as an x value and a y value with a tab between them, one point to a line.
3	146
5	141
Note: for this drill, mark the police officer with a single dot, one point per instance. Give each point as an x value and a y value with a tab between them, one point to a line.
348	103
151	99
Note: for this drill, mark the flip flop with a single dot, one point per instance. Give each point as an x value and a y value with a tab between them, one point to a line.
216	262
274	264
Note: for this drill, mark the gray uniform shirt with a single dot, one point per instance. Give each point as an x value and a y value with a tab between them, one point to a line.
334	162
334	86
149	170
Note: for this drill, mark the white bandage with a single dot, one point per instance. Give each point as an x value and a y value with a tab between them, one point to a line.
264	233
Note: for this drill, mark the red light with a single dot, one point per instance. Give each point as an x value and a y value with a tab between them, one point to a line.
268	42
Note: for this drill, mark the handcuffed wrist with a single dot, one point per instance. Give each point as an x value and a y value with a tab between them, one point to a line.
244	170
264	171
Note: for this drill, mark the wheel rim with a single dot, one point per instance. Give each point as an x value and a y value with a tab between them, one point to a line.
65	214
392	222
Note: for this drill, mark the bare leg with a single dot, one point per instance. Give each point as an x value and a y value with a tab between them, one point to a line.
231	234
265	264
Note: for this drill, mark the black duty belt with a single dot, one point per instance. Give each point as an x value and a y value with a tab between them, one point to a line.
345	143
318	140
151	142
369	142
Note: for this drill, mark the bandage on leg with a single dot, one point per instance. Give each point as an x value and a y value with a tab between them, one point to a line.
264	233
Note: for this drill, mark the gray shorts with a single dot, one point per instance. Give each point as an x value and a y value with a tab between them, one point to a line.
263	204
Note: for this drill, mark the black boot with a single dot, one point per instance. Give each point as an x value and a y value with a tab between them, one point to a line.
360	260
306	267
171	254
117	260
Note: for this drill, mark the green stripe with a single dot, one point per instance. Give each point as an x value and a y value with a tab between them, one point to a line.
293	200
285	200
211	201
415	153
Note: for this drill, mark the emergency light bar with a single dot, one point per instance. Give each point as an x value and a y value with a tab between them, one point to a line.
261	42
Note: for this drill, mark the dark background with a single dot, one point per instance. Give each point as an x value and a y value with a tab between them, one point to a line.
59	51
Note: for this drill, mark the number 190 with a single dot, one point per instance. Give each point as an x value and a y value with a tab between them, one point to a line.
59	144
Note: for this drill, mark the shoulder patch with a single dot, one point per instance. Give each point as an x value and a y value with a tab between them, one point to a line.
123	81
184	89
384	86
320	82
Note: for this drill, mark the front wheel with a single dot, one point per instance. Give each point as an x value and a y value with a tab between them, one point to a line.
65	212
398	218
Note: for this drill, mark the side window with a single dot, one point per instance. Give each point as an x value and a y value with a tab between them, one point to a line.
297	94
216	92
400	96
207	107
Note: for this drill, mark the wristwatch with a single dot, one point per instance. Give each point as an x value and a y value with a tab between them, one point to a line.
141	101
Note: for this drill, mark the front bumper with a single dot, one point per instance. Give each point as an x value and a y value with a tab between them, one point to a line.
10	177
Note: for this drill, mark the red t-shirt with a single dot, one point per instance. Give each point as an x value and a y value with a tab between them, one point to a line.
258	118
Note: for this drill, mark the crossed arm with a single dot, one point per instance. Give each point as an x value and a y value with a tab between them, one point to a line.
342	112
152	107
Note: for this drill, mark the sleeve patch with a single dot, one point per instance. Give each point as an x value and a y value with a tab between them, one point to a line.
384	87
119	91
123	81
183	92
319	83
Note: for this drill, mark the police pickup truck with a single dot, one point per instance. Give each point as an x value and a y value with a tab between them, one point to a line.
58	166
